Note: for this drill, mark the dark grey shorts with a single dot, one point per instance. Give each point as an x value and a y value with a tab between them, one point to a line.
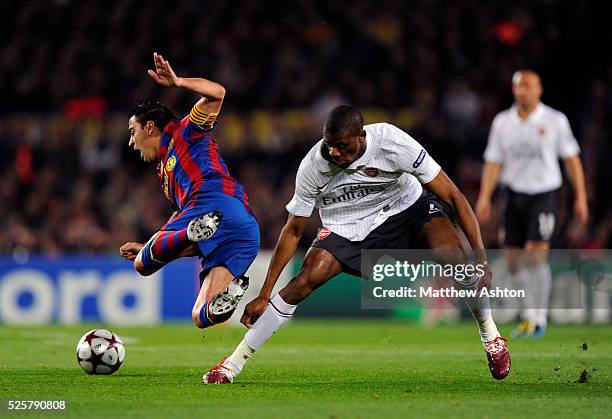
531	217
400	231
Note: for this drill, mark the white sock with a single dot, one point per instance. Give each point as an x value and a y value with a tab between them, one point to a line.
241	355
486	325
480	307
541	280
522	280
276	315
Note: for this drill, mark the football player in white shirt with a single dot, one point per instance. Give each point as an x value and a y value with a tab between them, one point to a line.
524	148
367	178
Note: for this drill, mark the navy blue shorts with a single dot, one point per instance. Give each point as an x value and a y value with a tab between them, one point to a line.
235	243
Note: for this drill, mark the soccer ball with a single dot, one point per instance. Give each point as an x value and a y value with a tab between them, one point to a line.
100	352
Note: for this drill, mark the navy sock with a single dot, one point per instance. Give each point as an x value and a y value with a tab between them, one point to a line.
204	320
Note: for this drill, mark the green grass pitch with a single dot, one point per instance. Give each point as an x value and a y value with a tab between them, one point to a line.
325	369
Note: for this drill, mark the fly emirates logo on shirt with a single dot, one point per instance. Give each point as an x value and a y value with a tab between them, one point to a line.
353	192
526	151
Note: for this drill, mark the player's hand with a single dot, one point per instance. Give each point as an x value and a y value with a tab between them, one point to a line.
130	250
163	74
581	211
483	210
253	310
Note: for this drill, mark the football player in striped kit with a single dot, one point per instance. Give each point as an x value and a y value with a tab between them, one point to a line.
367	182
213	218
524	148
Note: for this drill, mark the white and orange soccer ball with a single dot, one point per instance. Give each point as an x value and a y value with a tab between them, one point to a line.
100	352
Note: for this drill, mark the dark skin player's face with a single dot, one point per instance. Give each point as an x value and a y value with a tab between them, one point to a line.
346	148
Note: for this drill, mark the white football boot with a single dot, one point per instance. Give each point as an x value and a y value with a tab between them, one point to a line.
202	228
227	300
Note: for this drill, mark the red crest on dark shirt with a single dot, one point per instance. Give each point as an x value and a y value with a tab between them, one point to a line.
371	171
323	233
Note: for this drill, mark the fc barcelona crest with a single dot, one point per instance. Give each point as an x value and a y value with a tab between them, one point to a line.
170	163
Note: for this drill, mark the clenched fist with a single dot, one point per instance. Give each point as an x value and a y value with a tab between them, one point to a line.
130	250
253	311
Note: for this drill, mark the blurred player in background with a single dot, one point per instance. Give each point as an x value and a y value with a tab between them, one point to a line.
525	144
367	183
213	218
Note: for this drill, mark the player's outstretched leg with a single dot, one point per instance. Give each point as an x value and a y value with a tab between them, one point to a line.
219	296
498	356
277	314
319	266
449	242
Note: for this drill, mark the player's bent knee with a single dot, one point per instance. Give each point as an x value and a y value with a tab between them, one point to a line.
142	269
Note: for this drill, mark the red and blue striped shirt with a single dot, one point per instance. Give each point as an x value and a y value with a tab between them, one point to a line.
190	164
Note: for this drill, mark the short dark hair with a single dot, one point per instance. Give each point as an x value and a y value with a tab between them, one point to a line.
152	110
343	119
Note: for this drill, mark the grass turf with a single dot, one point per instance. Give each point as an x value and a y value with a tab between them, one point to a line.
330	369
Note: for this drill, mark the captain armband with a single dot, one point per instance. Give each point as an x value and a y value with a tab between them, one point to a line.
204	120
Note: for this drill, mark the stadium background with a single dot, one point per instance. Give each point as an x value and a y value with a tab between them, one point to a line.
72	191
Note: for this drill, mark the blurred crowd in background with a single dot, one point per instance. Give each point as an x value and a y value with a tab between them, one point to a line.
440	70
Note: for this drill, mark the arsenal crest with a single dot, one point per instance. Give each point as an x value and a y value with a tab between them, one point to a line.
323	233
371	171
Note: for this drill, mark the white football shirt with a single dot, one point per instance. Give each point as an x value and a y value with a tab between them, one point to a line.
383	182
529	150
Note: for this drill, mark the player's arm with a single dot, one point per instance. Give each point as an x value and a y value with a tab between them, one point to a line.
285	248
569	151
490	176
300	210
212	93
494	157
412	158
131	250
447	191
573	168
